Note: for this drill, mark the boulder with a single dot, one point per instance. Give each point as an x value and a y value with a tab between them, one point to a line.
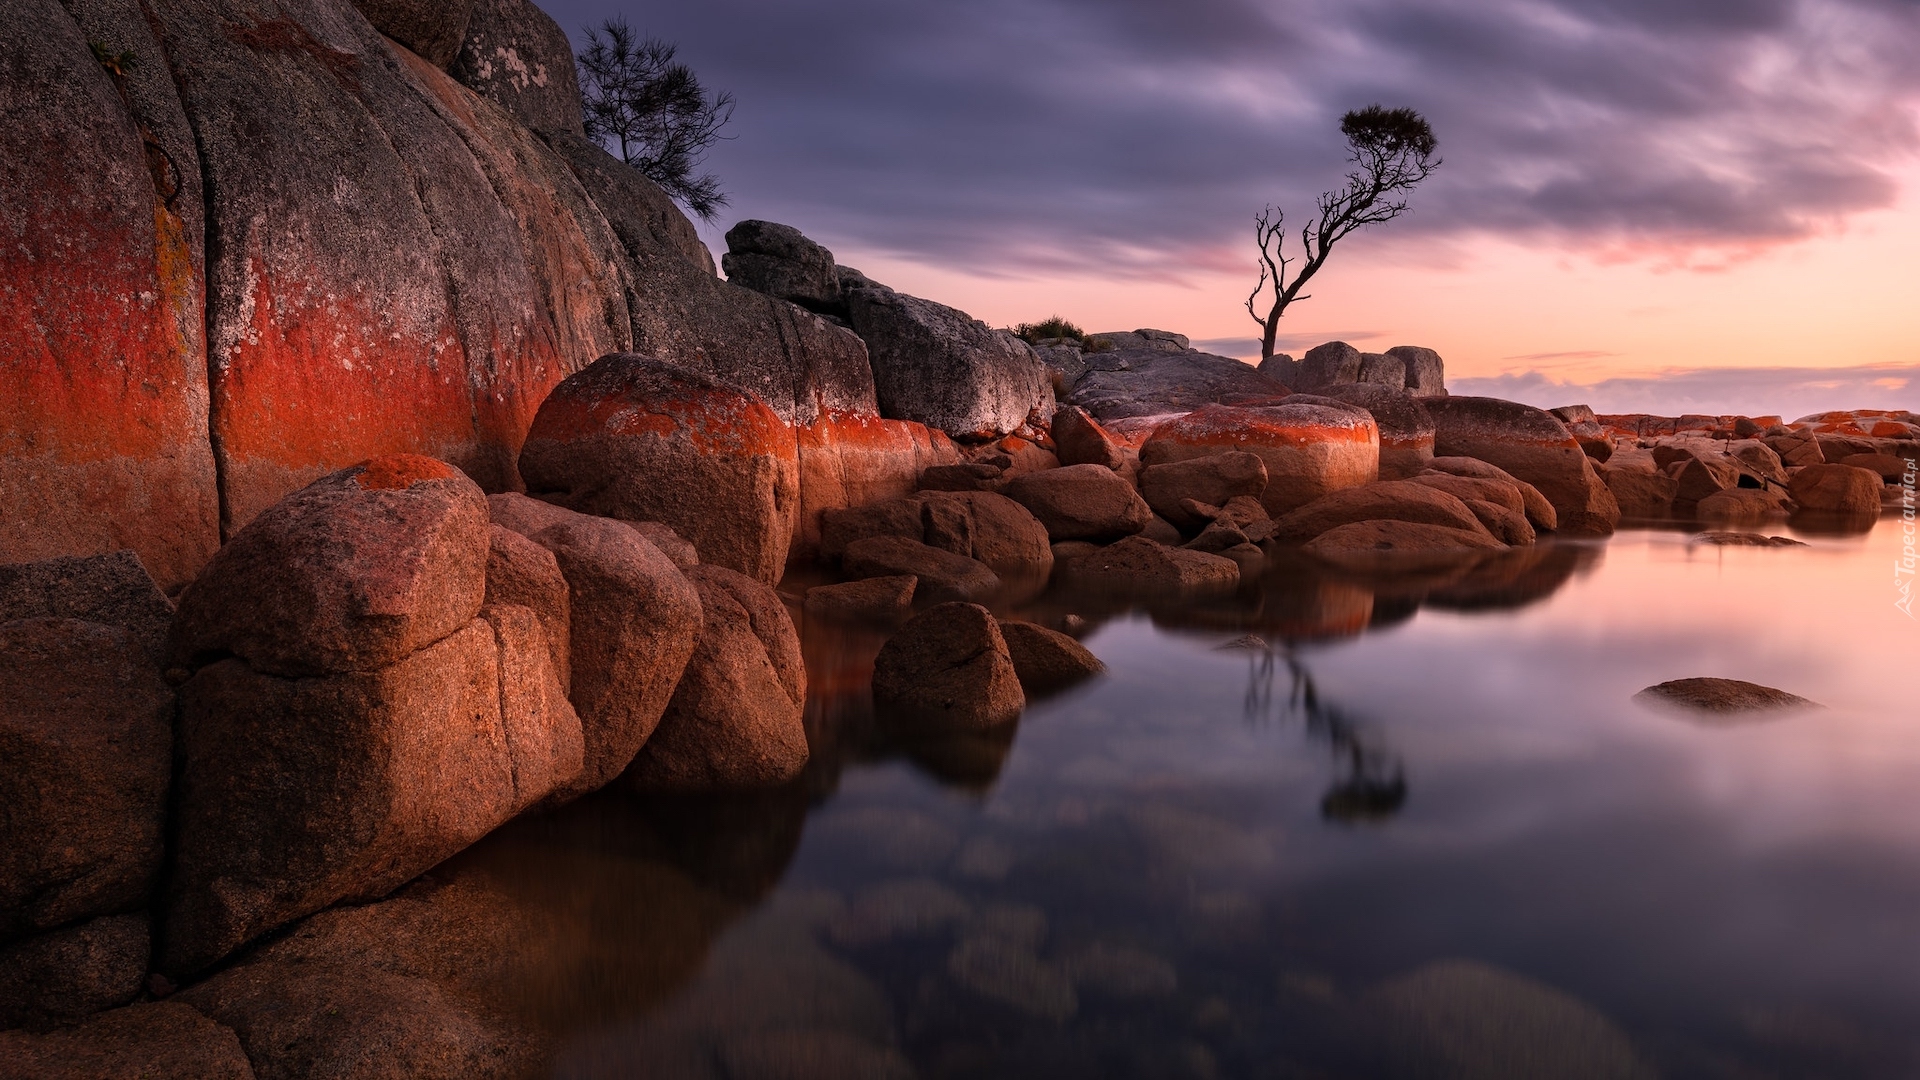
1213	480
1308	449
1080	440
1721	696
938	366
943	575
162	1040
1486	489
734	722
355	571
1843	489
1742	504
780	261
1641	494
1742	539
1697	476
515	55
523	573
545	741
112	590
901	517
1540	512
297	793
1159	530
1137	380
1758	460
85	734
1532	445
1217	538
1380	369
1281	368
987	527
638	439
1426	373
1796	448
963	476
848	460
435	31
67	975
1400	545
881	599
1406	428
1139	566
1327	365
103	367
634	622
1047	660
1388	500
946	669
1081	502
1886	466
1504	523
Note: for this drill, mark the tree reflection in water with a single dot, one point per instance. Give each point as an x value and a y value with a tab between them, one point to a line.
1371	784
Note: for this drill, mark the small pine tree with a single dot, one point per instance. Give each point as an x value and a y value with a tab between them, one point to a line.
653	112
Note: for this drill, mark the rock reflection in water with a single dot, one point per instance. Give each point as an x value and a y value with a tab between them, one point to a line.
1372	784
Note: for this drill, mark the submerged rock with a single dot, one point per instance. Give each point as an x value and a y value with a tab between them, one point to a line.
1743	539
1002	971
1400	545
948	668
1729	696
879	599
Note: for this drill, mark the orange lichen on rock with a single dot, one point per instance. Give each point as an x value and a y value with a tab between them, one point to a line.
397	472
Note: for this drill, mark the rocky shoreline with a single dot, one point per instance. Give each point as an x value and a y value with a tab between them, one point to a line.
331	563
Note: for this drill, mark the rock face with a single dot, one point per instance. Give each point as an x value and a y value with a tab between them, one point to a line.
1843	489
163	1040
1532	445
102	346
85	735
1214	480
636	438
514	55
1406	428
435	31
65	976
522	573
1081	502
948	669
735	719
353	715
1308	450
938	366
779	260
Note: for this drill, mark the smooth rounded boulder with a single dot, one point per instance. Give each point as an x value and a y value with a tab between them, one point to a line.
639	439
1400	545
735	720
1081	502
85	735
1079	439
1838	489
1213	480
1388	500
353	572
942	575
1539	511
948	669
521	572
1308	449
1532	445
1047	660
1406	428
1139	566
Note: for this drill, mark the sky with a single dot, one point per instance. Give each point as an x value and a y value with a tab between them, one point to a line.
1648	205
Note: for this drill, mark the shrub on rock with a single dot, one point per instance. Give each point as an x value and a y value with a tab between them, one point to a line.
1308	449
1534	446
85	736
1081	502
735	720
948	669
642	440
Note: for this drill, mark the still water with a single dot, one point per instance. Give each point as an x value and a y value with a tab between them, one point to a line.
1416	828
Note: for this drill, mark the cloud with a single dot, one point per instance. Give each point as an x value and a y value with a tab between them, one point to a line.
1577	354
1745	391
1135	138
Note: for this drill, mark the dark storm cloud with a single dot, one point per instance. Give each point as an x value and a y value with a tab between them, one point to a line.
1140	135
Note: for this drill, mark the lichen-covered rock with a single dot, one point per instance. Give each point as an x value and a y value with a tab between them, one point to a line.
1388	500
515	55
1841	489
353	572
1081	502
1406	428
635	438
1213	480
947	669
1532	445
1047	660
66	975
85	734
779	260
938	366
1308	449
735	720
163	1040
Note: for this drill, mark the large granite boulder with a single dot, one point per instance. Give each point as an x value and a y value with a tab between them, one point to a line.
779	260
948	669
735	720
521	573
1047	660
1149	379
1081	502
1540	512
1640	493
939	366
1214	480
1383	370
85	733
1308	449
1426	373
1332	364
352	715
515	55
1079	439
1842	489
1388	500
1534	446
636	438
1406	428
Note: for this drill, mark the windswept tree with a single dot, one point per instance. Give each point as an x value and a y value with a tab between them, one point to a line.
1391	150
653	112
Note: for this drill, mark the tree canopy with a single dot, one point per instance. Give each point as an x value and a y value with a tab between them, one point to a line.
639	103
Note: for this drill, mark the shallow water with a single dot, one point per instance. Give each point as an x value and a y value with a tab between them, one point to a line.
1427	832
